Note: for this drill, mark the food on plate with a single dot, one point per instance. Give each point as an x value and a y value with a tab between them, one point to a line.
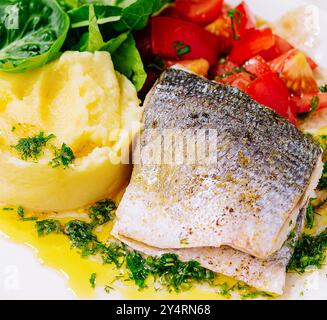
62	129
226	191
248	198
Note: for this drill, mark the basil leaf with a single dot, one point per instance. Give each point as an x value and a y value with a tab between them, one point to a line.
127	60
41	30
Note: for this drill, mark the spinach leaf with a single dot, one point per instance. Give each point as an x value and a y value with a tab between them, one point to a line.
127	60
41	30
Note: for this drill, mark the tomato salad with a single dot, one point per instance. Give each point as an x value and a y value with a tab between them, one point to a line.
227	45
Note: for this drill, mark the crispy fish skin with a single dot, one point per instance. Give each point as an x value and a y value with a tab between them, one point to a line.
246	200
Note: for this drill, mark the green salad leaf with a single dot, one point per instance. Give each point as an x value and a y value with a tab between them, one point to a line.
79	17
128	61
47	27
37	38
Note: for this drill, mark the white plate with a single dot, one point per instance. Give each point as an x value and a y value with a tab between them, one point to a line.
22	276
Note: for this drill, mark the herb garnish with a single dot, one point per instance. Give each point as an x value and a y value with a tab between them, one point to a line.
244	291
100	213
63	157
310	215
93	280
31	148
235	16
8	209
181	48
81	236
314	103
323	88
309	252
172	273
45	227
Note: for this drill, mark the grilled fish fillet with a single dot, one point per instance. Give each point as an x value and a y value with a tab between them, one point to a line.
245	201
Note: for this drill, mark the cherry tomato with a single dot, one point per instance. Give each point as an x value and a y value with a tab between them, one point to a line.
199	11
251	43
239	80
271	91
257	66
174	38
247	19
280	47
223	67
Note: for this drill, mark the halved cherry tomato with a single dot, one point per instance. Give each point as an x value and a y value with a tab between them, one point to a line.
174	38
303	103
257	66
271	91
250	44
199	11
298	74
278	63
246	17
281	46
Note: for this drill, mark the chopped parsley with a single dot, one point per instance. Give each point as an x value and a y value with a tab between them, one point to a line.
31	148
113	253
245	291
93	280
63	157
309	252
181	48
21	212
45	227
323	88
8	209
172	273
235	16
81	236
100	213
314	103
310	216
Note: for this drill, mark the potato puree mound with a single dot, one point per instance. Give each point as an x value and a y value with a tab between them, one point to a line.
82	101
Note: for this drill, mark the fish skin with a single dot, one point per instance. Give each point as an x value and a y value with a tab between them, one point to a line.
251	209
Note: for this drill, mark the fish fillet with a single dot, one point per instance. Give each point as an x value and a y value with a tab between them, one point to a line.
245	201
268	275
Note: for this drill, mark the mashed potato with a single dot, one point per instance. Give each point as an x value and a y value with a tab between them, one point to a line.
88	106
